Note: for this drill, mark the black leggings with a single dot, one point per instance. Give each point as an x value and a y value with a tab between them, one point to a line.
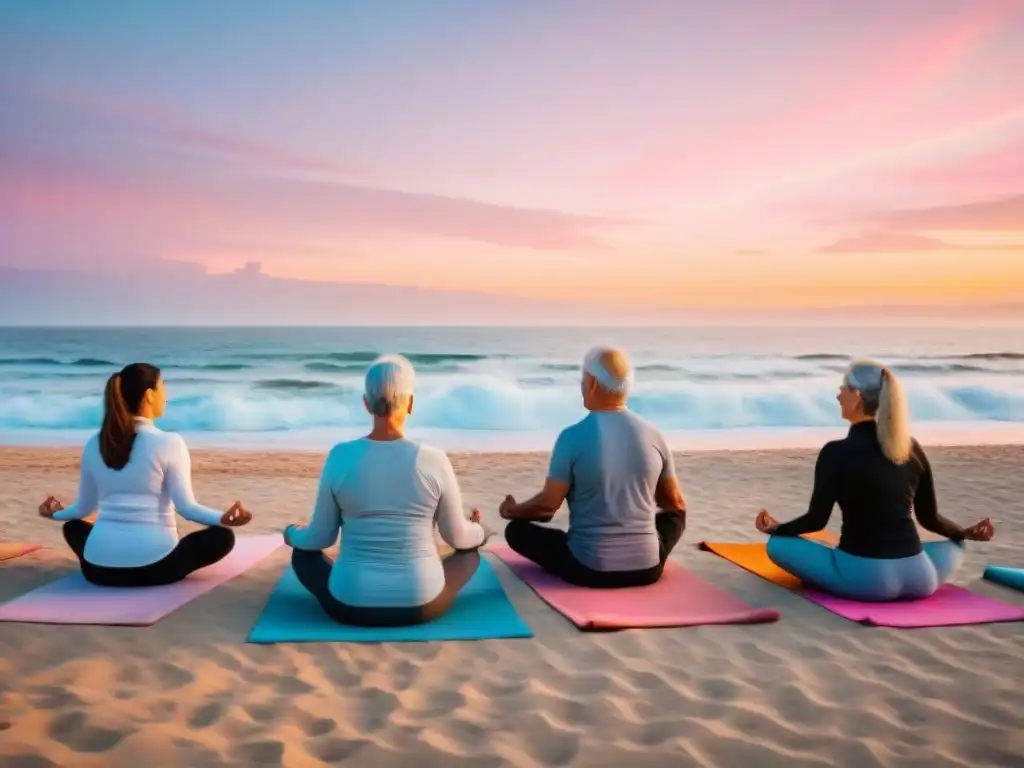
314	571
549	548
194	551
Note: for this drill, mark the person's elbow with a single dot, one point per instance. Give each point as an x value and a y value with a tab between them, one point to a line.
552	496
668	495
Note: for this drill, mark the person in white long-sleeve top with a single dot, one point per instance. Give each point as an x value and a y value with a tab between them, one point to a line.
135	476
386	492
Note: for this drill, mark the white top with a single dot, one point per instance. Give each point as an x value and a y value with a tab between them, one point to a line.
388	496
135	524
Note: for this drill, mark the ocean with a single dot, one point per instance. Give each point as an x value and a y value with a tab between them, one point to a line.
510	388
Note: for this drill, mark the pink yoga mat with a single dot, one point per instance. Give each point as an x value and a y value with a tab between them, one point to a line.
950	606
8	551
73	600
678	599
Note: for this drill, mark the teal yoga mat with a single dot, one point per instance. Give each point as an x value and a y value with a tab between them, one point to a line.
481	611
1008	577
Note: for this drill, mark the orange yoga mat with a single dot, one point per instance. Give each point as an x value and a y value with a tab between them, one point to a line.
7	551
753	556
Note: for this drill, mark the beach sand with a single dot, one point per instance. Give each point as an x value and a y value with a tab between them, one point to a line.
812	689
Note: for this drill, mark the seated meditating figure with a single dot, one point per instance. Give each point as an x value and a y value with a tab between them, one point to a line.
134	476
385	492
626	509
881	479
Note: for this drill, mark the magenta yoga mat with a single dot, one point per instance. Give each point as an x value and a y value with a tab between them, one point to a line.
678	599
73	600
950	606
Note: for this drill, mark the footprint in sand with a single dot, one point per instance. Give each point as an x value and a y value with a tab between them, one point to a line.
335	750
314	727
27	761
170	676
259	753
52	697
209	713
72	730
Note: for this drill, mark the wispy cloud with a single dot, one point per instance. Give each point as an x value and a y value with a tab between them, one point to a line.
1003	214
247	200
904	242
160	123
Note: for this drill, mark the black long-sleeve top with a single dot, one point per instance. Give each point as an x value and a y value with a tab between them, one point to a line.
878	498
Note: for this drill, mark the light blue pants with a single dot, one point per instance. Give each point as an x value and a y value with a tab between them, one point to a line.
866	578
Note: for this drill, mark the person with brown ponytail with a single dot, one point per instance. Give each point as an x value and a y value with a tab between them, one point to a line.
134	476
881	479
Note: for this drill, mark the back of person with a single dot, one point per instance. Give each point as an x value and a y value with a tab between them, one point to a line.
615	460
876	497
134	503
388	493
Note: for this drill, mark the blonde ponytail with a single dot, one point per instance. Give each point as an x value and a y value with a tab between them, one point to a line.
893	419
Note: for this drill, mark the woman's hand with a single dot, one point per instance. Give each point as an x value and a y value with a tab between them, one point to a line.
983	530
236	515
288	536
50	507
506	507
475	517
765	523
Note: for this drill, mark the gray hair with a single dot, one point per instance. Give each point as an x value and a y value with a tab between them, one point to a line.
390	380
594	365
883	398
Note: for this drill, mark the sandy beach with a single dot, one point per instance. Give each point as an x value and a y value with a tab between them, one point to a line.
812	689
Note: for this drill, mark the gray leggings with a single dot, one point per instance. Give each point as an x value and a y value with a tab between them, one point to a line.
868	579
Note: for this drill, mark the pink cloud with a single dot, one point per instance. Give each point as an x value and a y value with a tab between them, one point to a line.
192	207
901	242
1002	214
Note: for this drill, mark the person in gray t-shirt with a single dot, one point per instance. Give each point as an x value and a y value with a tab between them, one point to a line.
626	509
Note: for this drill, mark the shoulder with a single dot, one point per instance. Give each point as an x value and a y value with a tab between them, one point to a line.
832	451
917	453
646	427
573	432
91	449
344	453
169	441
430	458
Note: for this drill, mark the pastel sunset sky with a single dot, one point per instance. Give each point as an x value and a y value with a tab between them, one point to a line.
754	153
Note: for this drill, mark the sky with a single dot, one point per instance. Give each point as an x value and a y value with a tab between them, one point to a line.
644	156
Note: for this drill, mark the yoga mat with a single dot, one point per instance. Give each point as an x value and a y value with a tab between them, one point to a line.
1008	577
480	611
73	600
678	599
753	556
949	606
9	551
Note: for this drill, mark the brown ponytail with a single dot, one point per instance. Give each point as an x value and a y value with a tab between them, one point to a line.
121	402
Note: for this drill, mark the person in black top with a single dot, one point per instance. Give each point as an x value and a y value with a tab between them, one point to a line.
881	479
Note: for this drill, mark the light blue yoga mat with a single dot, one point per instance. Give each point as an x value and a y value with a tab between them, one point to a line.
1008	577
481	611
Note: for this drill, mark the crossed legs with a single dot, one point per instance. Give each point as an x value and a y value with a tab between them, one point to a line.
549	548
194	551
313	570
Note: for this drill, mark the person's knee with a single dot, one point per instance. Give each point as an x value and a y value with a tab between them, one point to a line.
515	532
300	556
778	549
220	539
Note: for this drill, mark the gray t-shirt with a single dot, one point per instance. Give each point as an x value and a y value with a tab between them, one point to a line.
612	461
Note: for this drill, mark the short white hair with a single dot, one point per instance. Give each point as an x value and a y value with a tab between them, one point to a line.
593	364
390	379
